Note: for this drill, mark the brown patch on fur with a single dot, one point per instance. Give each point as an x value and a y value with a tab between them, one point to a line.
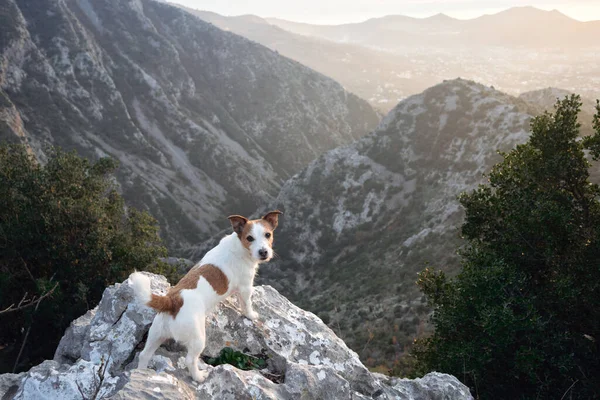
238	223
172	302
169	303
245	233
272	218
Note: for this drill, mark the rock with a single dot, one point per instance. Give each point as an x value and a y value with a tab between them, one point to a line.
69	348
9	385
291	333
118	326
147	384
306	360
432	386
51	380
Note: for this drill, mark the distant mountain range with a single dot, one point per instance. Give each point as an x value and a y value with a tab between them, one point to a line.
384	60
202	121
515	27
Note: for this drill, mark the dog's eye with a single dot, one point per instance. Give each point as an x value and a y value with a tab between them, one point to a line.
250	239
267	235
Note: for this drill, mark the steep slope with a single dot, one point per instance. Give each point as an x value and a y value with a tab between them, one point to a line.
202	121
515	27
363	219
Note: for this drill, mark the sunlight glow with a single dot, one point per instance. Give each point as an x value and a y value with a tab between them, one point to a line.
346	11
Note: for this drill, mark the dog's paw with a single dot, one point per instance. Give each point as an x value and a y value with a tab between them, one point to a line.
199	376
252	315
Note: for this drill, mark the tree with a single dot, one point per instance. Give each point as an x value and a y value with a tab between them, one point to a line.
522	319
65	234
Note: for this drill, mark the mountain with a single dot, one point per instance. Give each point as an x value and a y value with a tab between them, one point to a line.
202	121
363	219
515	27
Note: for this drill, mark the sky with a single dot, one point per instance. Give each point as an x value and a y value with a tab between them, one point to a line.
344	11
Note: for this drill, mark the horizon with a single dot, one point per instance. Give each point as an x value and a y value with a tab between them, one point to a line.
326	12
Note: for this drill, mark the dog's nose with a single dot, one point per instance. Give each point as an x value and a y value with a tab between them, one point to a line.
263	253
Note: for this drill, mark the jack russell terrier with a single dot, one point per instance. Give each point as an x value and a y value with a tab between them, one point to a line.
229	268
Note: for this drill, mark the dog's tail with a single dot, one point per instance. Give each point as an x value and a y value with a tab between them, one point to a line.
144	295
141	287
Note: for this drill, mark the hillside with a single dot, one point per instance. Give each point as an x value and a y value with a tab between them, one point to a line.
363	219
202	121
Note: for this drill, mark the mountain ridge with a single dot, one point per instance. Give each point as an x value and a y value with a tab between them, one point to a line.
519	27
439	16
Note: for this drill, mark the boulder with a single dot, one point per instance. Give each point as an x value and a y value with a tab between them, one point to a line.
97	358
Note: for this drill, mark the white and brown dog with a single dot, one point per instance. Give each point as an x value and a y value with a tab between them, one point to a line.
227	269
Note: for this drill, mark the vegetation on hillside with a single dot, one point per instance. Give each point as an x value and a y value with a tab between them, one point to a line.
522	319
65	234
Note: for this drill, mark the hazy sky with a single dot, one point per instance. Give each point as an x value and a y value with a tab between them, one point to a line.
340	11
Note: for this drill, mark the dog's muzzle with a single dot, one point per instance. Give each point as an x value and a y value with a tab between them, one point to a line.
263	254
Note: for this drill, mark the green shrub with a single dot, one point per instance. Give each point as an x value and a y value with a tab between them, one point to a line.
521	320
63	226
237	359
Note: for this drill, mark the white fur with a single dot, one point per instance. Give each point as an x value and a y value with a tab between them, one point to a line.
238	264
141	287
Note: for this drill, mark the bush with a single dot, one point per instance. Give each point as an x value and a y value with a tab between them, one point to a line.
65	233
522	319
238	359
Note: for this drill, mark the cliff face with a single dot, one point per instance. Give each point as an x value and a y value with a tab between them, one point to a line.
305	359
202	121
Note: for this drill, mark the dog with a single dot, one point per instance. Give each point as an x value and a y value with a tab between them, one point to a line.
228	268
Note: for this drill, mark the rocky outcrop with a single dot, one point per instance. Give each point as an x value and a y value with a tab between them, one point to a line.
97	357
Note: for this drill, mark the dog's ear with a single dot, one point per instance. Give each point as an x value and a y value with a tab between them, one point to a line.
272	218
237	223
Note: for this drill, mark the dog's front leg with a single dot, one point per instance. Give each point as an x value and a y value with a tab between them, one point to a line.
245	296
